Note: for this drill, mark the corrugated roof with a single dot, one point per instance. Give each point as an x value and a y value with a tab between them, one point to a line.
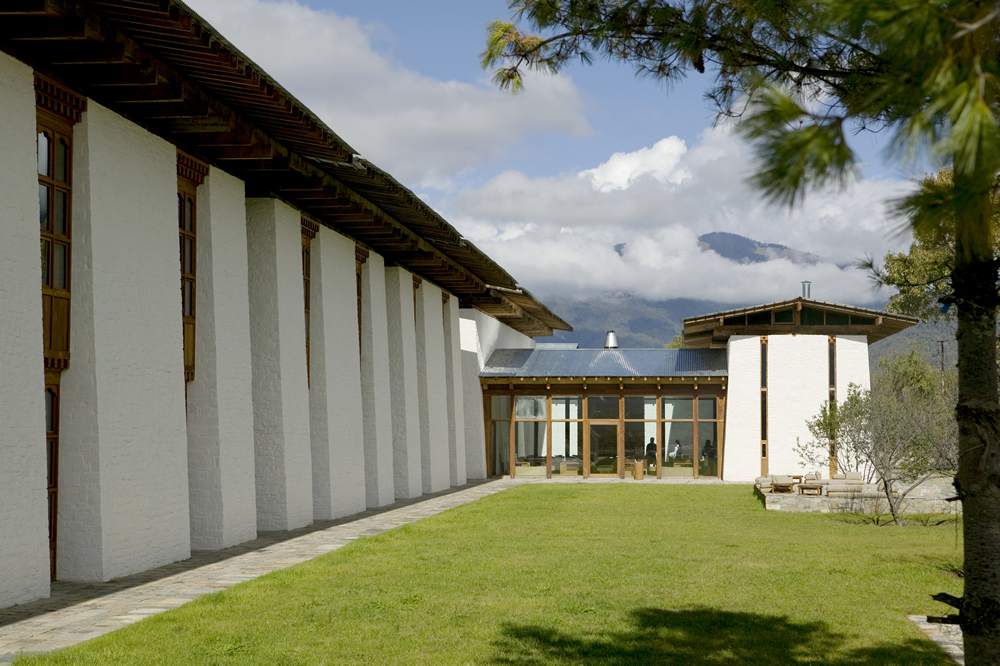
607	363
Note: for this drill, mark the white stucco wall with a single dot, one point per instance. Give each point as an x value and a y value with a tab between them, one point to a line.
453	385
852	363
338	461
480	336
220	398
475	425
123	498
741	461
797	386
489	335
407	474
282	449
375	385
432	390
24	548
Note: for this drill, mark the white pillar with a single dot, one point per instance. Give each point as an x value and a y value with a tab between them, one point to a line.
335	405
375	384
453	384
472	400
432	390
220	398
282	451
123	496
24	549
404	388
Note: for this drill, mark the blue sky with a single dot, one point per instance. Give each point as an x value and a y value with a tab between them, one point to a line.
548	182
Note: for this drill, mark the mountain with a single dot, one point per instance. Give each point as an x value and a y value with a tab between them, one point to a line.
638	323
925	338
746	250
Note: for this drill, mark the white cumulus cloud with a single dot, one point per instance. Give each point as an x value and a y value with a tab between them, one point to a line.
661	162
657	201
422	130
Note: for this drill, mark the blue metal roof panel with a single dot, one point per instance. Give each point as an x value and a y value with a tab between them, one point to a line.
607	363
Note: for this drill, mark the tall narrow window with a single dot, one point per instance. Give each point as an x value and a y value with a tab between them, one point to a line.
52	466
360	257
417	281
309	231
190	174
57	110
55	142
832	363
763	405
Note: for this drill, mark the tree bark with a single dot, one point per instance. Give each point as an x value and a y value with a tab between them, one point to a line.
978	480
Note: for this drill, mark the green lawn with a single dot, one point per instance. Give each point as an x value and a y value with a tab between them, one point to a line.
570	574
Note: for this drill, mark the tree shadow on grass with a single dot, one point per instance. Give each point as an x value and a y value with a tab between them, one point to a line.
702	636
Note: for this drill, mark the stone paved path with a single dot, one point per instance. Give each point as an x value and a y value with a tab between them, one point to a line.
948	636
79	611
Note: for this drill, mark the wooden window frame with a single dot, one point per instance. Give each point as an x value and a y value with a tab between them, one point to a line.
57	110
360	258
190	175
554	421
309	231
56	299
764	423
832	404
513	431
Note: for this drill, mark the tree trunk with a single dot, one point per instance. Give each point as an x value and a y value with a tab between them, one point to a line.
893	505
978	481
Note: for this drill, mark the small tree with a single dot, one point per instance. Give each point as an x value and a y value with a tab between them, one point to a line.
840	432
901	432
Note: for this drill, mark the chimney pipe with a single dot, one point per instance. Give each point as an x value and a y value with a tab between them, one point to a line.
611	340
806	289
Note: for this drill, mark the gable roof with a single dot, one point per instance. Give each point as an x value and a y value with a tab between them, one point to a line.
796	316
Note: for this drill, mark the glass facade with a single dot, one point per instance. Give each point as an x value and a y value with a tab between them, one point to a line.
606	435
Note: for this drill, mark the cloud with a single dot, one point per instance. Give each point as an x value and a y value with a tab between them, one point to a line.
623	169
422	130
657	201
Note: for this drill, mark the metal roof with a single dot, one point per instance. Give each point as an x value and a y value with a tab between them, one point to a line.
607	363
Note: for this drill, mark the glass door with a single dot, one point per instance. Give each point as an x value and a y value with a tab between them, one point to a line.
680	448
530	436
605	455
641	447
567	435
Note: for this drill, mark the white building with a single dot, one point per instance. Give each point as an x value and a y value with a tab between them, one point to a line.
241	325
732	403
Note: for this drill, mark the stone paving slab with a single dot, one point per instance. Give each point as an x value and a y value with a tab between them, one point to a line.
948	636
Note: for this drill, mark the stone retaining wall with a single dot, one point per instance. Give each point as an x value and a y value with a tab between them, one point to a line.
928	497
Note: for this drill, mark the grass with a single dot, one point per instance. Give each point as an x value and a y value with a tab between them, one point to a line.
570	574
